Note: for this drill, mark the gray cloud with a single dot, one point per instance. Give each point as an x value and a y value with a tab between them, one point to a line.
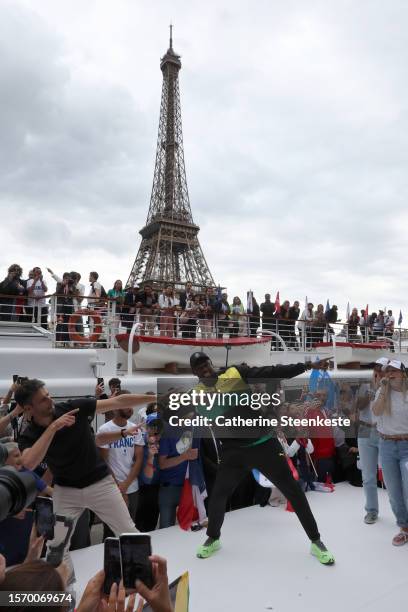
295	123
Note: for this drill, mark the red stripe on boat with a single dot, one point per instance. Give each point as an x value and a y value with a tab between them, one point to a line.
195	341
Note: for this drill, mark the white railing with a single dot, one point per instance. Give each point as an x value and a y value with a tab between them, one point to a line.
96	322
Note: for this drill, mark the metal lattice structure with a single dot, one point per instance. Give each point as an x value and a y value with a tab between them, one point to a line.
170	251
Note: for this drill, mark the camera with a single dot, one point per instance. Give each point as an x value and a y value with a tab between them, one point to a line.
3	453
17	490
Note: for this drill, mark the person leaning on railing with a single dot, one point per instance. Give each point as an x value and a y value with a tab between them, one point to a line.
205	316
11	287
65	292
148	309
168	304
391	408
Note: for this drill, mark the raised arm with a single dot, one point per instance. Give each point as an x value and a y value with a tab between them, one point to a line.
34	455
121	402
102	438
379	403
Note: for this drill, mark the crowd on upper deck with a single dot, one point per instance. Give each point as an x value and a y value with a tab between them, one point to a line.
185	311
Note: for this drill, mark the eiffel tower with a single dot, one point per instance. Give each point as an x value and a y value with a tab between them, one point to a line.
170	252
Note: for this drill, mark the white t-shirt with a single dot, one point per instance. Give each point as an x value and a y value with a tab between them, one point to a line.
94	292
37	296
396	423
366	414
166	301
121	452
389	322
81	290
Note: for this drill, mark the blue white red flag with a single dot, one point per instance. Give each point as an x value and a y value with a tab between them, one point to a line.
191	507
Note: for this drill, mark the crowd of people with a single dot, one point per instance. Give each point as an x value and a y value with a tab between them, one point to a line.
206	312
129	472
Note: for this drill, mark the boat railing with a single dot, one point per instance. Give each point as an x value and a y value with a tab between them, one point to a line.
70	322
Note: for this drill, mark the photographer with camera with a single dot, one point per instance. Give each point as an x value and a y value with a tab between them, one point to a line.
36	290
15	530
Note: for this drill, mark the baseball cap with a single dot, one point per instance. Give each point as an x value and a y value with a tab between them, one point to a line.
197	358
382	361
397	365
154	420
151	418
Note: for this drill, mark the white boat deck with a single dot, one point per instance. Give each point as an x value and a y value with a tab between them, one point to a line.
265	562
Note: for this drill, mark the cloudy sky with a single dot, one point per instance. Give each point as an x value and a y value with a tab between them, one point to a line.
295	133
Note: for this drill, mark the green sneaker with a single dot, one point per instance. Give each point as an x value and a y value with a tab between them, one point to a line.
206	550
319	550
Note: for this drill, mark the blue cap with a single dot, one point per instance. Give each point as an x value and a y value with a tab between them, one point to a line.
151	418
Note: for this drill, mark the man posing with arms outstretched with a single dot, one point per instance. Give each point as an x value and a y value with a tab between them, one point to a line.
240	455
61	435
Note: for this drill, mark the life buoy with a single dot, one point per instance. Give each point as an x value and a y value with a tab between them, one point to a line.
74	320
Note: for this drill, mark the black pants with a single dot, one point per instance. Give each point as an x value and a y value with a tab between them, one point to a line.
147	513
269	459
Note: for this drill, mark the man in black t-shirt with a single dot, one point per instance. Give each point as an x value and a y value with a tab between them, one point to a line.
61	434
268	309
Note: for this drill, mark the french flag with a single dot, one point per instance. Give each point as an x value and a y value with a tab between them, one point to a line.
191	507
277	304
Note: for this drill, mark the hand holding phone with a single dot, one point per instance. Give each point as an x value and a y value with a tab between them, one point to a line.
135	550
45	517
111	565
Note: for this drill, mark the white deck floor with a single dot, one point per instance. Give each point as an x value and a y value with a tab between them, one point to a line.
265	562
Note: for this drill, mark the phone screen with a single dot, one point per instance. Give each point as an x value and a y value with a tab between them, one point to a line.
135	550
15	378
112	566
44	517
101	382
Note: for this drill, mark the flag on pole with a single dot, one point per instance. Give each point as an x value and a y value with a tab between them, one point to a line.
191	507
327	307
250	306
277	304
400	319
348	311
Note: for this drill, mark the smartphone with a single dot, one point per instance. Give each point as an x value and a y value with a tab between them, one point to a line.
111	564
15	378
135	550
101	382
44	517
63	528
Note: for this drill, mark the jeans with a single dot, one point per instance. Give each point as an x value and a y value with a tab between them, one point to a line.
394	462
169	497
368	446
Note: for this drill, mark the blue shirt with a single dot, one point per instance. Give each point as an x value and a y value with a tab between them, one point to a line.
40	484
174	475
143	480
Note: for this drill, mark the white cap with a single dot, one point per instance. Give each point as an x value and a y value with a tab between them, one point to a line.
395	364
382	361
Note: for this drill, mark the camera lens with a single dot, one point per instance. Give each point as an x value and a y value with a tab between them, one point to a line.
17	491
